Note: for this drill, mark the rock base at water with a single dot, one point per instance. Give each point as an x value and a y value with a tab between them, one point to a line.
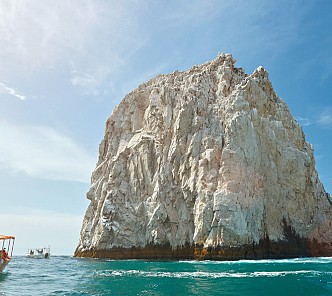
264	250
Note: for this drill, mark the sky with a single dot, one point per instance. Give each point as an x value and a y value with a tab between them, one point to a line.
65	65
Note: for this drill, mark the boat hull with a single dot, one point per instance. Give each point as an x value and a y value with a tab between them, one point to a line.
41	253
43	256
3	264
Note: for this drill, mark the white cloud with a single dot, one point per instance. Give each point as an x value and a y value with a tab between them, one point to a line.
84	36
38	33
5	89
88	83
93	85
325	119
43	152
81	36
305	121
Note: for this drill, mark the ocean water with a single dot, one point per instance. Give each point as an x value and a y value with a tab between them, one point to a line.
62	275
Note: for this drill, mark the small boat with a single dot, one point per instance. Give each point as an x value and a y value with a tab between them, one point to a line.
39	253
6	241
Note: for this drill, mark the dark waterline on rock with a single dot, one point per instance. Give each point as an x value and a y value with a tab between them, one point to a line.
293	247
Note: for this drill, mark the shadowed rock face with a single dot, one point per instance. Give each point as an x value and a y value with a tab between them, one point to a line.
205	164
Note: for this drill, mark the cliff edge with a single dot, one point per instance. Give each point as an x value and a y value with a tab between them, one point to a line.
205	164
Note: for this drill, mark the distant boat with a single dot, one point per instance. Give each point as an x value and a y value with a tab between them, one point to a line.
6	241
41	253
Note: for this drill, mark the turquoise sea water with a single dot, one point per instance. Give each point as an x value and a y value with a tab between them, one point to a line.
61	275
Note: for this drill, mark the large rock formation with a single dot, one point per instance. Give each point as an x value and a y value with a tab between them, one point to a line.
206	164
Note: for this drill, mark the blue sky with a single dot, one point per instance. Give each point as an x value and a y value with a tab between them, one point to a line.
64	66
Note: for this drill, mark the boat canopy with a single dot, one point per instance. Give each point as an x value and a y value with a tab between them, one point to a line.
9	241
6	255
3	237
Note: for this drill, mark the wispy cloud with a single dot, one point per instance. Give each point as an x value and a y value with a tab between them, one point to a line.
5	89
305	121
79	36
83	36
88	83
43	152
35	34
95	84
325	118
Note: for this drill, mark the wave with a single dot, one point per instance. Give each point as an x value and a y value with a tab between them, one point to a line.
202	274
316	260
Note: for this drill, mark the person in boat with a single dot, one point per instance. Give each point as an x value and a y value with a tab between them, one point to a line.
4	255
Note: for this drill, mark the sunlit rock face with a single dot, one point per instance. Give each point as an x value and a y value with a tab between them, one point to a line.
205	164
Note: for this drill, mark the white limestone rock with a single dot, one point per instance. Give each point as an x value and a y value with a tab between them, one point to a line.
207	159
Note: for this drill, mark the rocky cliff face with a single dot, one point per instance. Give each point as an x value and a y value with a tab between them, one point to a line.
206	164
